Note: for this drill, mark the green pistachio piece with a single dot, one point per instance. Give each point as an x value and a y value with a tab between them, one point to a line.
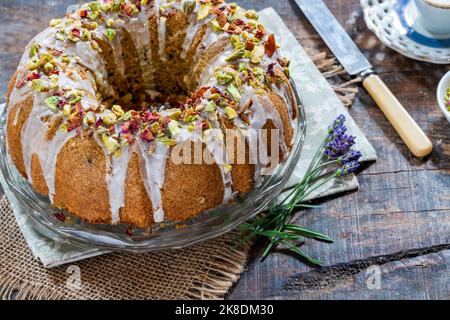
60	36
109	119
230	113
38	85
203	11
227	167
215	26
85	35
65	58
173	128
67	110
95	6
190	118
234	92
211	106
34	49
93	15
236	55
243	66
167	141
117	110
48	67
236	42
213	96
89	119
145	2
257	54
54	81
51	103
126	116
33	64
110	34
251	14
223	77
176	115
110	143
55	22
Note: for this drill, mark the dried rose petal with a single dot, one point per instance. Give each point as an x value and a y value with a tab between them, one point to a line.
32	76
147	135
60	216
270	45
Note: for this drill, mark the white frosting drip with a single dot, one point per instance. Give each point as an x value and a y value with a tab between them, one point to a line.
34	142
153	167
262	110
215	144
116	173
162	29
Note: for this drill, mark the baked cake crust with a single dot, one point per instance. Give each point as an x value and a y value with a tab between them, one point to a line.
83	123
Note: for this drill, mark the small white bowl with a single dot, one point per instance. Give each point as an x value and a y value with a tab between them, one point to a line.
441	92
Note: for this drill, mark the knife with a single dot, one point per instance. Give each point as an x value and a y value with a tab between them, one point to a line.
356	64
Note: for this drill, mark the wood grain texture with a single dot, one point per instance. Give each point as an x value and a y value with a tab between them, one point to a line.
399	220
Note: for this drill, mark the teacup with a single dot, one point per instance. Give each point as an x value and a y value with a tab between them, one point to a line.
435	15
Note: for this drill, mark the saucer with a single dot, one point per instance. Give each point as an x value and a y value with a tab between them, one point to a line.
398	25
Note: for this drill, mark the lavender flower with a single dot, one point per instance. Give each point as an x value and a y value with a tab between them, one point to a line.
338	144
347	168
352	155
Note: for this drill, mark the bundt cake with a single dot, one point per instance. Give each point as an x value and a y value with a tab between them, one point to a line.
105	95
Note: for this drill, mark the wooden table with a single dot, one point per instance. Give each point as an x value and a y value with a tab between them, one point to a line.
396	226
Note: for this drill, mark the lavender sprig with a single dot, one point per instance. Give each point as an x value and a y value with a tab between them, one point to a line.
334	158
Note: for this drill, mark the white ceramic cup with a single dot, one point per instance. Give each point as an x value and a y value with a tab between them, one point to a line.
435	15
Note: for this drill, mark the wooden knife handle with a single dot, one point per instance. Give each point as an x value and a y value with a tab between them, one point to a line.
414	138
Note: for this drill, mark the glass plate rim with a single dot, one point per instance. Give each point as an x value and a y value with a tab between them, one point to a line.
105	240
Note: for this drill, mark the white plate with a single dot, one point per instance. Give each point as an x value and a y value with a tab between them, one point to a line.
441	92
398	25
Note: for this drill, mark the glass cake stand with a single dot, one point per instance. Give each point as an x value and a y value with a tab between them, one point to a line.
53	222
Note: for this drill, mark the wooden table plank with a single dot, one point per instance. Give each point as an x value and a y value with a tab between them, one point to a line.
403	202
402	208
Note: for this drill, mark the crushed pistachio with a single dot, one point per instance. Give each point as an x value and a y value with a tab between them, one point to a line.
38	85
117	110
227	167
257	54
236	55
109	119
34	49
110	23
110	34
89	119
67	110
230	113
167	141
175	115
234	92
211	106
447	99
203	11
52	103
110	143
173	128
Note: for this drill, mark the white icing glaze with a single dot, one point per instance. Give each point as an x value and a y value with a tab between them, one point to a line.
116	172
153	167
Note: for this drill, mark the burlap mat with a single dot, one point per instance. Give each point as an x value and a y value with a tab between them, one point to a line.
204	271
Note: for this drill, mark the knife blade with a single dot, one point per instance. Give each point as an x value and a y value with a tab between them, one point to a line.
356	64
